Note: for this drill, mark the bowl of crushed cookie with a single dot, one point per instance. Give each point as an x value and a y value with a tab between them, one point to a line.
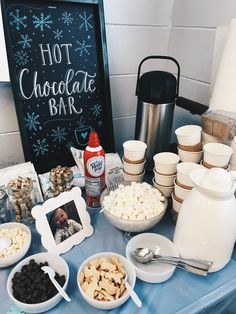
101	280
15	240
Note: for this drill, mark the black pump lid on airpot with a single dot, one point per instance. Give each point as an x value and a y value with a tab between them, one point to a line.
157	87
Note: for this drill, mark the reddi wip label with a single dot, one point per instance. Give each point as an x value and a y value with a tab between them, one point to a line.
96	166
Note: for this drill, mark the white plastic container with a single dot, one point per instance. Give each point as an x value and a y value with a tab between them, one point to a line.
206	225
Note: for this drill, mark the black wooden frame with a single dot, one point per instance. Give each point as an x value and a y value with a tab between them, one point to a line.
108	142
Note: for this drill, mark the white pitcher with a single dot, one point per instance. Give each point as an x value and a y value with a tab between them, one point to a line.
206	225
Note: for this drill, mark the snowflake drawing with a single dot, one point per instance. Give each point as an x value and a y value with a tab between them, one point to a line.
69	145
96	110
14	310
83	48
42	22
21	58
58	134
31	121
25	41
67	18
86	24
17	20
41	147
58	34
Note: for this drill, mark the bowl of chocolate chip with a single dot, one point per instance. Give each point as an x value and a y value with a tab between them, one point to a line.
31	289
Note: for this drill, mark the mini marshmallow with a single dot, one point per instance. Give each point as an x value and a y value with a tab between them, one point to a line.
138	201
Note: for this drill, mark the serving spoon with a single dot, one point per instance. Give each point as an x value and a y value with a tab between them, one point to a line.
51	274
5	242
145	255
133	294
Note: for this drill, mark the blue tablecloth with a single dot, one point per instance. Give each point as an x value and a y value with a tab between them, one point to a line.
182	293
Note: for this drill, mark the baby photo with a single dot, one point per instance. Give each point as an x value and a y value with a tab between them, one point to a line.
64	221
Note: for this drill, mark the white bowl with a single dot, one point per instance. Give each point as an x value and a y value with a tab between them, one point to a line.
190	156
217	154
129	269
165	190
130	225
165	180
183	173
165	163
181	192
15	257
134	169
189	135
58	264
133	177
134	150
152	272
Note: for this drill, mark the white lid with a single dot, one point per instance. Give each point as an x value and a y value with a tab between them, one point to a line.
216	179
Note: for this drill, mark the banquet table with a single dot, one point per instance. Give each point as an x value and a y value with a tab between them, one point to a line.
182	293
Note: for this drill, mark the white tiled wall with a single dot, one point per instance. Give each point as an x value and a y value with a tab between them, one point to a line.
184	29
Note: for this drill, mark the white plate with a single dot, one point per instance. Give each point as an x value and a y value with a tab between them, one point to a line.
154	272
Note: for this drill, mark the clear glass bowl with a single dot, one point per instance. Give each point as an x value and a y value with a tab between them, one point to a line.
130	225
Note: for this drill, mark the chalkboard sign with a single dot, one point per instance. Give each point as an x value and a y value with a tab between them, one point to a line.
59	72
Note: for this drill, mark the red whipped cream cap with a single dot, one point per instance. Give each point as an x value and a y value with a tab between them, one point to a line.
93	140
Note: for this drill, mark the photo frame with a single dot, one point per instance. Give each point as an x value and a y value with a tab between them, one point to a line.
58	66
62	221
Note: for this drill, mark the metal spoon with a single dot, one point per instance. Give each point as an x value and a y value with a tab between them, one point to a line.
5	242
51	273
133	294
145	255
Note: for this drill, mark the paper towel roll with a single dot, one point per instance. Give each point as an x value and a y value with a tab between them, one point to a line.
224	91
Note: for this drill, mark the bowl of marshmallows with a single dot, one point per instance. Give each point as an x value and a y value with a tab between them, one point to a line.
133	207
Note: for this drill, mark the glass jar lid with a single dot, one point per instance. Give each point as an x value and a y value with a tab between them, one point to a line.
3	196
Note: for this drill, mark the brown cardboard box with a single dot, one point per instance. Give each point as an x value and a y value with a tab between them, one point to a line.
220	124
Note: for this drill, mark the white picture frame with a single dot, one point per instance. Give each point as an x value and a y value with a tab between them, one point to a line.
72	230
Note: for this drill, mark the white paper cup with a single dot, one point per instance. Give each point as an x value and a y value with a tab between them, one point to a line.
131	168
175	204
190	156
133	177
207	166
165	163
181	192
162	179
166	190
217	154
134	151
183	173
189	135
